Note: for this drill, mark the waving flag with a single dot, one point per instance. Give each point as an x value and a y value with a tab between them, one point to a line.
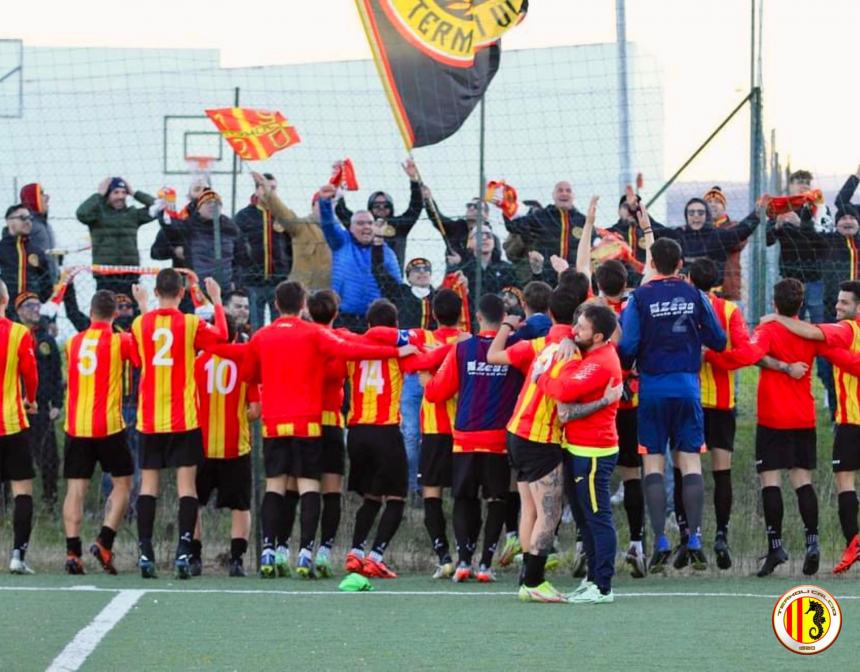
436	58
254	134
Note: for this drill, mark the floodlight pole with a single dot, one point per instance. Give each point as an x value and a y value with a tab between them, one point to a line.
625	158
479	229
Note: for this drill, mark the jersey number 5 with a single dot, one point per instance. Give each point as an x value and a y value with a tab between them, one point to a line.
371	376
87	360
162	354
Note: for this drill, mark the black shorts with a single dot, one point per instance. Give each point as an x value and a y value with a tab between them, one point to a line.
846	448
377	460
488	471
333	451
784	449
530	460
231	478
16	458
111	453
297	456
719	429
434	465
627	425
176	449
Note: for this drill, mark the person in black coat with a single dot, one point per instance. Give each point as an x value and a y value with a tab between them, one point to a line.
381	206
23	264
628	228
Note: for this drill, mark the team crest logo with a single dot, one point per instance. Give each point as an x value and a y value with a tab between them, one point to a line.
451	31
44	348
33	260
807	620
576	232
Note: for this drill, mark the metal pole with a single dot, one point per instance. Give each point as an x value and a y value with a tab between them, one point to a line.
625	170
479	230
235	172
758	289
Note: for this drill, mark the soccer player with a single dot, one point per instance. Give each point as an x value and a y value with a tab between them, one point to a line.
95	430
592	444
378	469
226	405
534	442
664	326
486	396
717	381
437	441
17	361
843	341
288	357
785	440
611	278
165	345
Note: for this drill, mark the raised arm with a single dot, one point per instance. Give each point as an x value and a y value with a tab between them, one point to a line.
583	249
335	235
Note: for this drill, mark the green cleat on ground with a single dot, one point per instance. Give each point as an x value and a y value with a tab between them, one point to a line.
322	564
511	548
282	562
545	592
267	564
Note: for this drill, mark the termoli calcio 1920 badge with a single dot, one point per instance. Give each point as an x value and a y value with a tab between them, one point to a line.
807	620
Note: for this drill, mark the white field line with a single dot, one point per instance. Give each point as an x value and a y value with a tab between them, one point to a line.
335	593
78	650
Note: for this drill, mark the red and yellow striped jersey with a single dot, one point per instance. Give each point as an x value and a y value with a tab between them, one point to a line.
631	378
718	383
333	382
439	418
17	361
375	388
96	365
844	336
224	400
535	416
166	343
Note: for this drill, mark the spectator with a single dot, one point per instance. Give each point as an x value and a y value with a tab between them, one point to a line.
311	255
237	305
699	238
352	273
36	201
414	299
628	228
23	265
455	231
537	323
513	298
802	249
267	249
495	273
49	396
555	229
198	232
113	228
731	287
843	255
381	206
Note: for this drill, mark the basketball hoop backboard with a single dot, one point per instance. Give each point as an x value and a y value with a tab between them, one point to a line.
192	145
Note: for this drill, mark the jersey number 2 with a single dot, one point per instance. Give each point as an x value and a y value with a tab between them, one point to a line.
162	355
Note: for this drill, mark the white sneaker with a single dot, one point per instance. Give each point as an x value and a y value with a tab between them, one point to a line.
583	586
17	565
592	595
617	498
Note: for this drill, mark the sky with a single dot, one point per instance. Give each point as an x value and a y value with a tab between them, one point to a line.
703	47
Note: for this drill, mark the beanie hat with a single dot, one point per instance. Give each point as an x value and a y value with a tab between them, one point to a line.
417	261
207	195
31	196
23	297
716	194
116	183
847	210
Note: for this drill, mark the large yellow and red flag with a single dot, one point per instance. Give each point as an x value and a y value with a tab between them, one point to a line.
254	134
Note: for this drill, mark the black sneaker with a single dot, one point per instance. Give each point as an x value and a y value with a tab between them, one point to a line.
810	562
237	569
195	566
772	560
657	563
721	550
682	557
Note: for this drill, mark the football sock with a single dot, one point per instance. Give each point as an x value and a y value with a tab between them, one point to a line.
655	500
694	502
310	518
289	504
771	499
106	537
364	518
145	524
492	530
723	500
330	518
434	521
634	507
388	524
270	518
807	502
188	507
848	506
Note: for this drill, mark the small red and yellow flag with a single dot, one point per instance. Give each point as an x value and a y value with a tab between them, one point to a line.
254	134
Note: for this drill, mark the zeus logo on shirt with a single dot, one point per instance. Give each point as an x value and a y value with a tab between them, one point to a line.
485	369
677	307
583	372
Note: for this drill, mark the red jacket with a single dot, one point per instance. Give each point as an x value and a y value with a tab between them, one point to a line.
582	381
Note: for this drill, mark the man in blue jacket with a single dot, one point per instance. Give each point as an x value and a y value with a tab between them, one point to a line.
664	326
352	270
